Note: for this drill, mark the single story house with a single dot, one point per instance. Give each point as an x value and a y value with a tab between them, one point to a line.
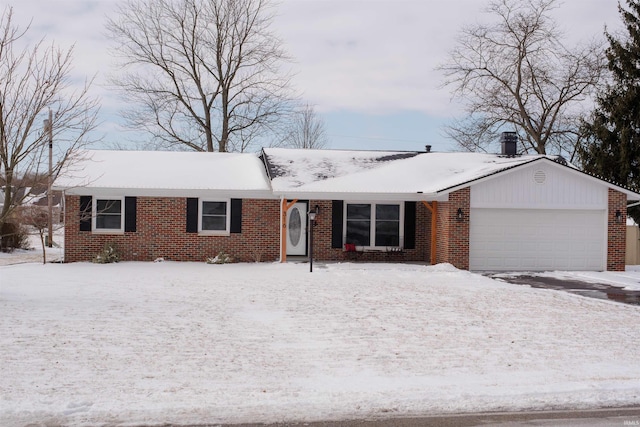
476	211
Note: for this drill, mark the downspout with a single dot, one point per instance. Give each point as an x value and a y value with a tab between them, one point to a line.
283	228
63	212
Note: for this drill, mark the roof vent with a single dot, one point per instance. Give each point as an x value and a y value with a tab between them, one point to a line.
539	176
509	143
427	148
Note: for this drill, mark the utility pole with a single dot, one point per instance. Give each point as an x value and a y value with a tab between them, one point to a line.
48	124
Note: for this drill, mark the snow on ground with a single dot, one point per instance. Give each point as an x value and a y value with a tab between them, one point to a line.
34	253
154	343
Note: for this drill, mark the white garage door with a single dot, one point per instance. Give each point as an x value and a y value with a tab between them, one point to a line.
519	239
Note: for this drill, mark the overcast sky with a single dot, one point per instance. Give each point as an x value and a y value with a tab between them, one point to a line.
367	65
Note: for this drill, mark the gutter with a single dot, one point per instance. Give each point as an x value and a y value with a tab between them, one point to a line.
169	192
357	196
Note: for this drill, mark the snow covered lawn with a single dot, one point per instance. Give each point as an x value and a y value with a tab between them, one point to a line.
195	343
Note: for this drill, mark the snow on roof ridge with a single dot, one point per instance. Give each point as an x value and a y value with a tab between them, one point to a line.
167	152
339	150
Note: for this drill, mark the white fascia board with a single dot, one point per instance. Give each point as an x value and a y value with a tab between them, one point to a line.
155	192
630	194
370	197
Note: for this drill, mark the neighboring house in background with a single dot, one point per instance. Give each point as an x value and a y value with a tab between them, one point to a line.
37	196
475	211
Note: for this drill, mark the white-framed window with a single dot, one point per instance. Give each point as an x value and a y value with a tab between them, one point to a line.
214	216
374	225
108	215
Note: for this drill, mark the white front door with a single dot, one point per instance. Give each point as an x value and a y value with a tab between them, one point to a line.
297	229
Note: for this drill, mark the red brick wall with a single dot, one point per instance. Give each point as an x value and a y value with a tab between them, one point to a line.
442	229
322	239
617	231
161	225
161	232
453	235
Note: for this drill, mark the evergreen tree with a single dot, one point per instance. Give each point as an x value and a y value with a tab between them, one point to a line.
612	148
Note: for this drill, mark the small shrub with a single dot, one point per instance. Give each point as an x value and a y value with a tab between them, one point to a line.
256	255
221	258
13	236
108	255
22	238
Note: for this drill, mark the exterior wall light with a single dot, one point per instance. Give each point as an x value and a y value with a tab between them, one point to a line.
618	216
314	213
460	215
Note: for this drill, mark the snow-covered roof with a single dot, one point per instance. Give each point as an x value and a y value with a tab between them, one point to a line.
156	173
291	173
408	175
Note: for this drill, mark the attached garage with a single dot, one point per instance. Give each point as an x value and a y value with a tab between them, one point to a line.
538	217
537	239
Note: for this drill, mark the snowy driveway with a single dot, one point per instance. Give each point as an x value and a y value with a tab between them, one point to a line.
195	343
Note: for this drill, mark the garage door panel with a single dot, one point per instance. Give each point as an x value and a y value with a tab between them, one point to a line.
518	239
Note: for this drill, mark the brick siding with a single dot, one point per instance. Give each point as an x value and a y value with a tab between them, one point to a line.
453	235
442	228
617	231
161	232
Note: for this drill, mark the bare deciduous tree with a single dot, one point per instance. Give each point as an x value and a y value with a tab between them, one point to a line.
306	130
33	80
203	75
38	218
516	74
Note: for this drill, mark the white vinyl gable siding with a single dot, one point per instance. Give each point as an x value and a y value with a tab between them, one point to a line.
540	186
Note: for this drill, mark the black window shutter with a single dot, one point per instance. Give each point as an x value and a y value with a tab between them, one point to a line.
409	225
85	213
192	215
130	214
236	215
337	211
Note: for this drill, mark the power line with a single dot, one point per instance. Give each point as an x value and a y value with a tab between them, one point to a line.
378	138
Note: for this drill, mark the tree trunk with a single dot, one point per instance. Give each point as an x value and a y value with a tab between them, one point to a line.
224	136
44	249
6	208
